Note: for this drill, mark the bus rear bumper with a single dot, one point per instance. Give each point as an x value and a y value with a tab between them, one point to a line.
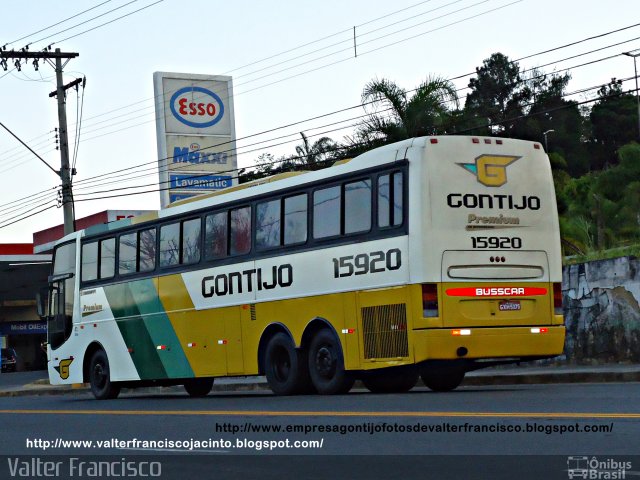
479	343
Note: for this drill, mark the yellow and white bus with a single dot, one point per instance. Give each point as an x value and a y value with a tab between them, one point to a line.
430	257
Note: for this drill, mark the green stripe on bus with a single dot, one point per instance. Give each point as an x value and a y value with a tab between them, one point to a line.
160	328
134	332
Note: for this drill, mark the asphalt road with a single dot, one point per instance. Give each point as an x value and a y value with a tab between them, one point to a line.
498	420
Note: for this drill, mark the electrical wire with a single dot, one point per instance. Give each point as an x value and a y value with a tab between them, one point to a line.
529	56
573	104
81	23
56	24
487	125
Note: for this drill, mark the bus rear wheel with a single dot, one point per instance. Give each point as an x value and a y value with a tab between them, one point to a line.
326	365
198	387
391	381
100	377
443	380
285	368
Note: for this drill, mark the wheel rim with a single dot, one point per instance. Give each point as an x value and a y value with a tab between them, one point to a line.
99	375
325	362
281	365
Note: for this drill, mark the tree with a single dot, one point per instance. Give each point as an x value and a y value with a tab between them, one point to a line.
315	156
396	115
613	122
497	94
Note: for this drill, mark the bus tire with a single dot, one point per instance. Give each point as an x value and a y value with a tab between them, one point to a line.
100	377
443	381
326	365
198	387
284	368
386	381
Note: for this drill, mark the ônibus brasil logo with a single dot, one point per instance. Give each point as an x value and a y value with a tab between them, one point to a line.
490	170
197	107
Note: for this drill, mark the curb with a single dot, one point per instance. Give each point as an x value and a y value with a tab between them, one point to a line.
43	388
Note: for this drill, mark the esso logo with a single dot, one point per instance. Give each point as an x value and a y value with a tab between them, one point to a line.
197	107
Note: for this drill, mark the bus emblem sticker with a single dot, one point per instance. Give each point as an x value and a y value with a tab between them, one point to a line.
490	170
63	368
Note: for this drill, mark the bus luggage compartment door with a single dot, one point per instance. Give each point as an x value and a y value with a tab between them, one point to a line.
496	288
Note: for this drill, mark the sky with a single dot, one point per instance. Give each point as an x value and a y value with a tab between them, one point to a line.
290	62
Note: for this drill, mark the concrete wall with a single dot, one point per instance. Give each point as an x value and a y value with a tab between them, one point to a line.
602	311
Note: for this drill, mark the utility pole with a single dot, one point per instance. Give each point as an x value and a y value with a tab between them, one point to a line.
65	172
635	68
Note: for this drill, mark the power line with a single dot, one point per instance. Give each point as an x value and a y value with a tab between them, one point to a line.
306	62
82	23
28	147
359	105
564	46
364	104
56	24
129	169
487	125
109	22
344	147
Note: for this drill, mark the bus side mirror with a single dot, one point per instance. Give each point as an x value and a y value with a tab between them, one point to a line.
41	302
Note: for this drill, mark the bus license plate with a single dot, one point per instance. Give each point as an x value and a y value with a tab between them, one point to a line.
509	306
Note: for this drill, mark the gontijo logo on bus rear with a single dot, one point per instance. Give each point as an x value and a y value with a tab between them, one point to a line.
197	107
490	170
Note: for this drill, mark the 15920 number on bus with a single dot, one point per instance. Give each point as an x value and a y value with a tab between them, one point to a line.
365	263
496	242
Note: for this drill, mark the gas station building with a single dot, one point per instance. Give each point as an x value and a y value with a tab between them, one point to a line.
24	269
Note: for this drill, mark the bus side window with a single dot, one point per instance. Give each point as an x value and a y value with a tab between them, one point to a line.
398	195
147	250
170	245
191	241
107	258
268	224
326	212
89	261
128	246
295	219
240	231
215	235
384	212
357	206
390	200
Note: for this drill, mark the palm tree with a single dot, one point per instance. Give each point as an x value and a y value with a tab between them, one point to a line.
395	115
312	156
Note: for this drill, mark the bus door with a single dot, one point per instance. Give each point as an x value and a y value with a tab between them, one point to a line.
495	288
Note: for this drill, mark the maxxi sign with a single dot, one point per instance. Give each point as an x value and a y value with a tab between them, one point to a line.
196	133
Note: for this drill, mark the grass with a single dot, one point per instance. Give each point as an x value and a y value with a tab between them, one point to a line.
629	251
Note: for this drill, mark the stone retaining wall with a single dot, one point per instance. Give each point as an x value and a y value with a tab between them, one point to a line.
602	311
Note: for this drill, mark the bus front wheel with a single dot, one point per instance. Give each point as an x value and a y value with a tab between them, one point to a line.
100	377
284	366
198	387
326	365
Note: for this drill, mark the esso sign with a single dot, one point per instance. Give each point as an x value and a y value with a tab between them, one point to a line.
197	107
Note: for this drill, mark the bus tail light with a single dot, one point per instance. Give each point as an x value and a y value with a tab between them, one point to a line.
429	300
461	332
557	298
